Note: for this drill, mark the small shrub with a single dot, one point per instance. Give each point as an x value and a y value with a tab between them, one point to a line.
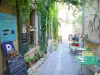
56	46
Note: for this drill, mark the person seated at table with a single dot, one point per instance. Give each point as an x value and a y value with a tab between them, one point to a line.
70	37
75	38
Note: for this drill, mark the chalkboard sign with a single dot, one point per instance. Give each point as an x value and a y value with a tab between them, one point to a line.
24	38
16	66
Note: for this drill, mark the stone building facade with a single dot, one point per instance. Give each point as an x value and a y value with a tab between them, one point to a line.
92	25
25	44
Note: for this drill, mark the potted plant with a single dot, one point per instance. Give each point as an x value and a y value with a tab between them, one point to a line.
38	55
41	55
86	36
27	61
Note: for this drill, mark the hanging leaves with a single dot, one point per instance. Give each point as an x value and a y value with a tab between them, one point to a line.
23	6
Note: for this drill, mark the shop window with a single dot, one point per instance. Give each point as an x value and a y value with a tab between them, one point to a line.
32	29
32	19
39	28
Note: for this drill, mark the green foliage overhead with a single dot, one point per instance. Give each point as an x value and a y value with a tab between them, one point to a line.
73	2
78	19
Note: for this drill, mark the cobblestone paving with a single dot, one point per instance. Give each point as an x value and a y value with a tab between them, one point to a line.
61	62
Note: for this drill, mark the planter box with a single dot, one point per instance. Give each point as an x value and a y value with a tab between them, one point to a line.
34	67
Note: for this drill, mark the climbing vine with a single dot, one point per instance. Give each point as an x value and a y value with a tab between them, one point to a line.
23	6
55	24
41	7
53	15
47	14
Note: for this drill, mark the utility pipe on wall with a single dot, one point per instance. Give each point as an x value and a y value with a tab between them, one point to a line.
83	24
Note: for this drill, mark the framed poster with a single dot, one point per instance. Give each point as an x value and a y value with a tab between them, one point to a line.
24	34
7	27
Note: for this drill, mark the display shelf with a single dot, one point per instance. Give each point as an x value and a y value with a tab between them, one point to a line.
92	41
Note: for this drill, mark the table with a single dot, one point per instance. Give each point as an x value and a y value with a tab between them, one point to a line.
70	43
79	50
87	53
87	60
76	49
72	49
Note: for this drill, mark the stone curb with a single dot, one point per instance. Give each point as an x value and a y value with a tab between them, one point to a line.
35	67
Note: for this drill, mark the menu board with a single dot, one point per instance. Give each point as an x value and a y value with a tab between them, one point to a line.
16	66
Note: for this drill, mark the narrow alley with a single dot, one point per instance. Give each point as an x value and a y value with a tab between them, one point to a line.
49	37
61	62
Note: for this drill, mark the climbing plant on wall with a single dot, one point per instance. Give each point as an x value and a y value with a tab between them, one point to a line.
53	15
41	7
23	6
55	24
47	9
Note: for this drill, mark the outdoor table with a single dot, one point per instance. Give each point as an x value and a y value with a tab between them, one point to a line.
72	49
87	60
76	48
70	43
87	53
79	50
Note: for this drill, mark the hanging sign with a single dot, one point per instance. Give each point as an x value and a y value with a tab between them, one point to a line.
8	48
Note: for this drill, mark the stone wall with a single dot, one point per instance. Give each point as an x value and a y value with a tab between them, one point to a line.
91	25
